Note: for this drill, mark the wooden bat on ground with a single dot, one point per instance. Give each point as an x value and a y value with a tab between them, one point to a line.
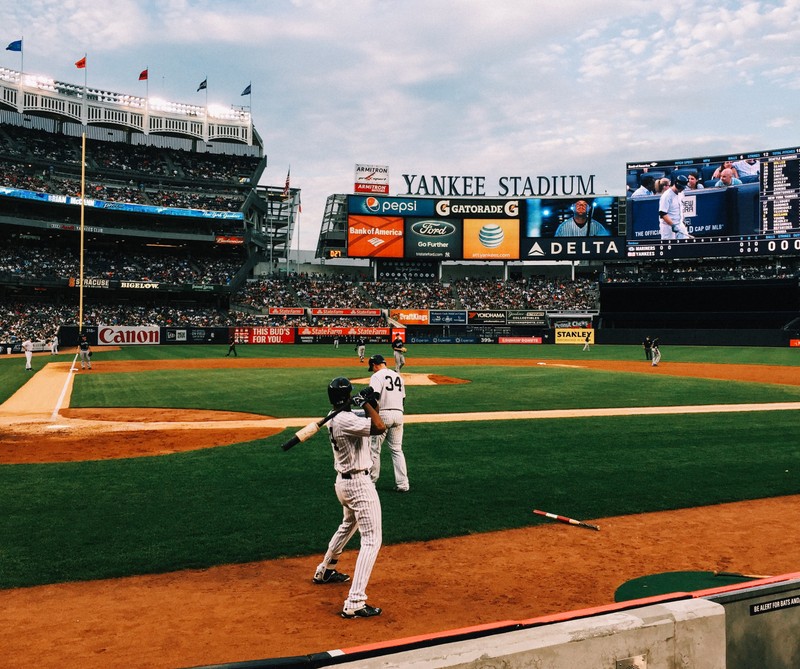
308	431
564	519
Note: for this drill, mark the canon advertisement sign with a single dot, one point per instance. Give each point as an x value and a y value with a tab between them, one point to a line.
121	335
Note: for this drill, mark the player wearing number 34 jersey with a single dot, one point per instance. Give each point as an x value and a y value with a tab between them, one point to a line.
389	385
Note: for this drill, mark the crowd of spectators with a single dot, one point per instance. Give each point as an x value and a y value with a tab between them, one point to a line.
126	158
321	292
41	146
410	295
529	293
44	162
707	270
249	304
186	197
275	291
51	264
40	319
193	199
213	167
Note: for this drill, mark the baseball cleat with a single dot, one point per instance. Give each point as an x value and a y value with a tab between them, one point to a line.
330	576
402	490
365	611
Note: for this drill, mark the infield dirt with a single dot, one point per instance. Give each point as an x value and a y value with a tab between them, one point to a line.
271	609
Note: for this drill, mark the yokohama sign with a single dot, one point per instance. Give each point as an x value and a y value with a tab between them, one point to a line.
118	335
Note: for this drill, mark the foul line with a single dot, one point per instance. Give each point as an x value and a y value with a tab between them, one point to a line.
67	381
596	413
558	413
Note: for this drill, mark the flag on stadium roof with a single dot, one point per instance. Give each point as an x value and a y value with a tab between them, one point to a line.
203	84
286	185
16	45
247	90
81	64
143	75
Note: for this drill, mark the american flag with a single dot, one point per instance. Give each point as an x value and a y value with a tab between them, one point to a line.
286	185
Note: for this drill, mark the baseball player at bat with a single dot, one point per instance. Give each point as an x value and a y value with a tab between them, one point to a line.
361	507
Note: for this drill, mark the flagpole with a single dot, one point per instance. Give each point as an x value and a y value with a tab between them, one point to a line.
147	101
298	243
21	58
83	197
85	108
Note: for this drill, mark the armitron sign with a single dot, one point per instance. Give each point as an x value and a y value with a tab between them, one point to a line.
119	335
372	179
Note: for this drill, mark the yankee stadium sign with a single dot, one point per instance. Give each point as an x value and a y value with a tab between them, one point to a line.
507	186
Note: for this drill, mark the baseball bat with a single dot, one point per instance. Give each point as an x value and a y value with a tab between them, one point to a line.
308	431
564	519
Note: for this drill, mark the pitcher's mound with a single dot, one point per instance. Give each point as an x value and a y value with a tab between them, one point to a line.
421	380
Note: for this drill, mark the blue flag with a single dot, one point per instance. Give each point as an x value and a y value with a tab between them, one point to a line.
203	84
16	45
246	91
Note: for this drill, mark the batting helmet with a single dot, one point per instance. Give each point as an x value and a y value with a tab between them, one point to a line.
376	359
339	391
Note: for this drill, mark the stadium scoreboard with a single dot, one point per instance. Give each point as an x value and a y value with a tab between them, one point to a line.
758	214
487	229
780	194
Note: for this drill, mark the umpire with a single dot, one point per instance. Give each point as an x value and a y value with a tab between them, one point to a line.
647	345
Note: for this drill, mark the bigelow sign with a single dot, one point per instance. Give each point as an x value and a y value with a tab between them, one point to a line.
507	186
120	335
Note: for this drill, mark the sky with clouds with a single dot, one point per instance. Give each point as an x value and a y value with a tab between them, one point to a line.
444	87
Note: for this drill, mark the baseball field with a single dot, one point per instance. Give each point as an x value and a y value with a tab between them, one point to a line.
150	519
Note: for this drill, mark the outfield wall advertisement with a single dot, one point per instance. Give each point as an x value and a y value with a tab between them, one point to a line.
574	335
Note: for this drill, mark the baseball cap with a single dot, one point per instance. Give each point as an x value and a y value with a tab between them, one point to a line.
681	181
376	359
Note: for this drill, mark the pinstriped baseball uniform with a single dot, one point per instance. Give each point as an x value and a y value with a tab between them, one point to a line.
349	435
392	391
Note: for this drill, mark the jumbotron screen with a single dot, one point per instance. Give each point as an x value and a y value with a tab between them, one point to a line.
733	205
485	228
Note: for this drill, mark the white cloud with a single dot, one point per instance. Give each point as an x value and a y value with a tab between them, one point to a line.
505	87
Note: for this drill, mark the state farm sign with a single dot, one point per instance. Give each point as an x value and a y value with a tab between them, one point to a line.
121	335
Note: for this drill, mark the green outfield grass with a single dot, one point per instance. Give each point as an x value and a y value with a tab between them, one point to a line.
250	501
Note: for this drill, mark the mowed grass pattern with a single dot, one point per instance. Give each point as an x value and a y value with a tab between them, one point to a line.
251	501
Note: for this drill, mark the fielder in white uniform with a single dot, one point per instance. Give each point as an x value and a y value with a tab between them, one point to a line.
349	435
656	351
389	385
27	349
